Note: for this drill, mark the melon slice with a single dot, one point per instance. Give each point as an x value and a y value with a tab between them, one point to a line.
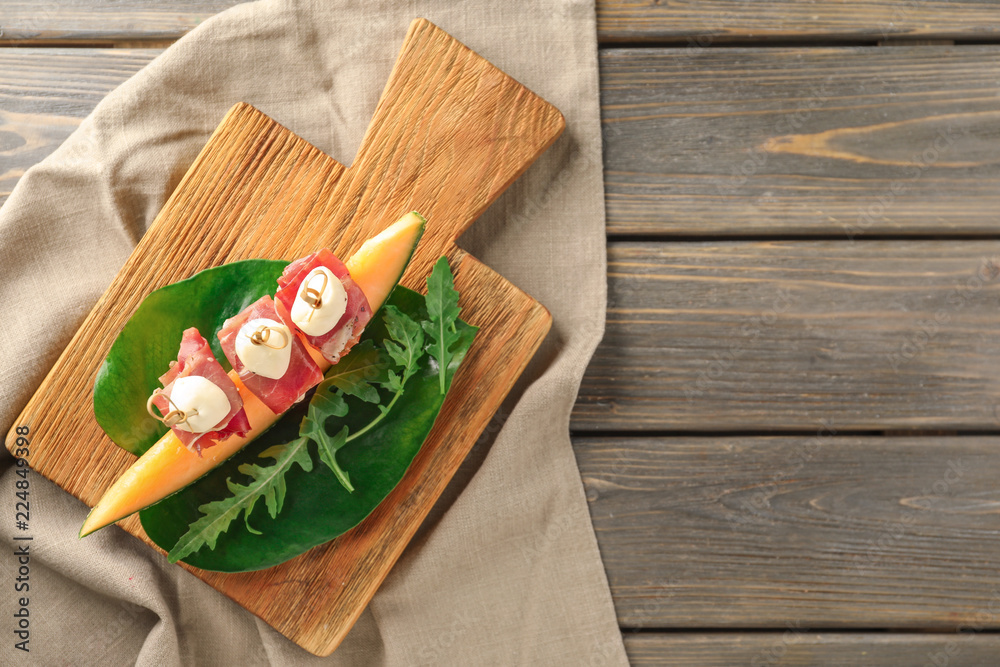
168	466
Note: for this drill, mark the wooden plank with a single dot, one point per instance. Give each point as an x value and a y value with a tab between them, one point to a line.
834	141
258	190
698	24
815	531
675	136
799	647
663	177
45	93
26	22
706	22
792	335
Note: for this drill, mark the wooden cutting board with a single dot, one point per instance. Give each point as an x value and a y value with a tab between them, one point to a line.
450	133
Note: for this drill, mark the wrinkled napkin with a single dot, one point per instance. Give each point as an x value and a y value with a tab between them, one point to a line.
506	570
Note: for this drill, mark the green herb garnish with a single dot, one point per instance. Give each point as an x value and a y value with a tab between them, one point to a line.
364	370
443	310
269	483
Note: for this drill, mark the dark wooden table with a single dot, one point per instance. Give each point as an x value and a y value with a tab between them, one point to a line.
789	437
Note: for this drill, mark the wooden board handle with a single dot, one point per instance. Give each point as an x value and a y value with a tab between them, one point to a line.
469	130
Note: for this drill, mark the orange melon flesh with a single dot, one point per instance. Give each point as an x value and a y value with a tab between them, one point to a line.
168	466
378	265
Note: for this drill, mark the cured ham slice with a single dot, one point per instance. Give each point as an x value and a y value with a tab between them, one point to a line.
317	297
277	368
197	376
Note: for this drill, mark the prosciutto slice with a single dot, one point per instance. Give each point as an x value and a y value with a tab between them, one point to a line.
338	341
195	358
301	375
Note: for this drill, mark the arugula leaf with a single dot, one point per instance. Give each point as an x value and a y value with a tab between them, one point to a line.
443	310
365	366
268	483
409	341
314	428
356	375
406	349
325	404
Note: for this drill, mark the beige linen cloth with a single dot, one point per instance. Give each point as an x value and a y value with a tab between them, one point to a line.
506	570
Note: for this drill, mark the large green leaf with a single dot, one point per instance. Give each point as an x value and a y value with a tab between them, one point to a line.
148	343
316	508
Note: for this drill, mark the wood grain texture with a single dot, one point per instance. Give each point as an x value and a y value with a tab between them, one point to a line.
701	23
817	532
26	22
791	335
677	138
45	93
450	133
798	647
844	141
